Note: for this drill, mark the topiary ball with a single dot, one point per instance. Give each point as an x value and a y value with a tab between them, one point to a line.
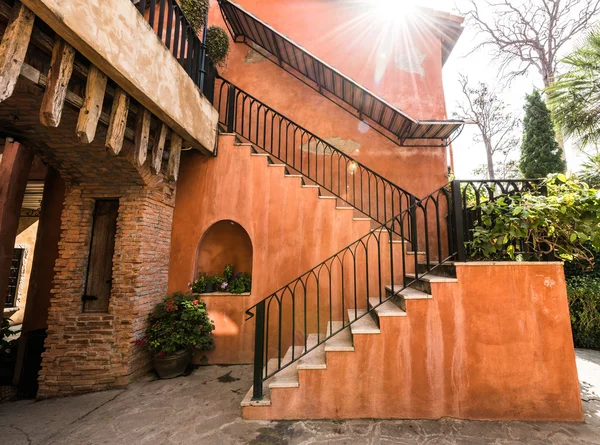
217	44
196	12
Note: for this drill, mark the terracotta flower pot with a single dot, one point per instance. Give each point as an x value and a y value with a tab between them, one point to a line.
171	365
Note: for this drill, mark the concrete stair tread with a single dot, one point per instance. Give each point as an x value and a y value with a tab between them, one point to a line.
409	293
316	359
431	278
265	401
342	342
365	325
387	309
287	377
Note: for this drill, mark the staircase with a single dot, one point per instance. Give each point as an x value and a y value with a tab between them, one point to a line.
350	362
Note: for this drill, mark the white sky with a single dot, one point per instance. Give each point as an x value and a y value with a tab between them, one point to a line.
479	67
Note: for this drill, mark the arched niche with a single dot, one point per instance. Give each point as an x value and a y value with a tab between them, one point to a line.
225	242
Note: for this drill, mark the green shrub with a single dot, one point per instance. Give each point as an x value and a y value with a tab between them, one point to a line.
584	305
179	322
240	283
566	222
217	44
196	12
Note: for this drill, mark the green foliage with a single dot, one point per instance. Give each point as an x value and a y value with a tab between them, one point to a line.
236	283
196	12
540	153
590	171
217	44
179	322
565	221
199	286
240	284
5	332
584	304
575	96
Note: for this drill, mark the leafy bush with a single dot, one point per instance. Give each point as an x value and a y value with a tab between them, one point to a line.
584	304
566	222
196	12
179	322
199	286
217	44
240	284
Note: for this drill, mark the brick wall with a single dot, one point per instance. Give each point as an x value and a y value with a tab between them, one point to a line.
90	352
87	351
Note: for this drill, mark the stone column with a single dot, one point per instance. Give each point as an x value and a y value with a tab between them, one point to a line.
14	173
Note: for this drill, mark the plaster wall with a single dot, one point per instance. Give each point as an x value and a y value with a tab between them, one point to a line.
355	48
496	345
290	228
114	36
26	236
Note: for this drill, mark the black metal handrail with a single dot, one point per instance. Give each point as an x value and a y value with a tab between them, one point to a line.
335	85
305	153
473	193
178	35
360	277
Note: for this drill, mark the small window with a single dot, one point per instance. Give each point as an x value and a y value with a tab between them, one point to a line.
13	278
100	263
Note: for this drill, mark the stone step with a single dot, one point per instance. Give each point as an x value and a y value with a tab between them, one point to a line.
341	342
365	325
409	293
316	359
265	401
424	282
287	377
387	309
445	270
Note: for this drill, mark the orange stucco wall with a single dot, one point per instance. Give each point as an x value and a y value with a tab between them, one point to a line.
290	228
338	33
496	345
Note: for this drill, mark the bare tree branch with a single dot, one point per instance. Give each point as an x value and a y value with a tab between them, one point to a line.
526	34
497	127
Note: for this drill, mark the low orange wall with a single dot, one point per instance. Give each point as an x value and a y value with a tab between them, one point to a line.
291	230
496	345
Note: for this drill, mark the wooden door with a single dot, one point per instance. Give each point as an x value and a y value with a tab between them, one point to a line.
99	274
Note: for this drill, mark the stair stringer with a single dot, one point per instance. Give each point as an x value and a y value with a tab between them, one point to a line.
447	359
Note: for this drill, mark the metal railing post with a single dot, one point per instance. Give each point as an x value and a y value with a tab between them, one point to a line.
231	109
413	223
259	351
458	222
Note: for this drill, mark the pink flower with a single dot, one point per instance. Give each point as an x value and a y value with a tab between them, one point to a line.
195	303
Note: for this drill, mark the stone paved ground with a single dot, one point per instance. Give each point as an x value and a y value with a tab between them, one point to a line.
204	409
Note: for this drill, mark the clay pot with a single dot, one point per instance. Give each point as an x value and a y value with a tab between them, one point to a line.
171	365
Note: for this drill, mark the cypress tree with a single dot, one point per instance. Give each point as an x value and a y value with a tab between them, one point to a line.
540	153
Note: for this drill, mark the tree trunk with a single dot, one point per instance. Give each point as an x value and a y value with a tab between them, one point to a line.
490	160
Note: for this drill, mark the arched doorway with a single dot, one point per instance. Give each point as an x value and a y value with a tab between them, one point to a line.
225	242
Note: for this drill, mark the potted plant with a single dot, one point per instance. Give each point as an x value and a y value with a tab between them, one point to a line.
177	325
241	283
199	286
218	282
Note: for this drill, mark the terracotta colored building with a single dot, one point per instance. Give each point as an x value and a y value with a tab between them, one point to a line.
315	160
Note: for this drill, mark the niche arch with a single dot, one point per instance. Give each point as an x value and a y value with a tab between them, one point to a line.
225	242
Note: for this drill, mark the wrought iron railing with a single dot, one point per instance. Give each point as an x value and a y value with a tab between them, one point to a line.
348	285
305	153
335	85
178	35
473	194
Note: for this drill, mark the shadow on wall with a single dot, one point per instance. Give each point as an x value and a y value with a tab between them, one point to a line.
225	242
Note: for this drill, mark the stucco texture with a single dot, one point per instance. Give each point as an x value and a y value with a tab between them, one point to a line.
336	39
495	346
290	228
114	36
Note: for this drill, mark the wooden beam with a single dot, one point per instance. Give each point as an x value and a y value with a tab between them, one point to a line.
118	122
92	105
142	136
13	48
61	68
174	157
159	147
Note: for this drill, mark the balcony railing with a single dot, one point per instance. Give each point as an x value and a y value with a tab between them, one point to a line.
180	37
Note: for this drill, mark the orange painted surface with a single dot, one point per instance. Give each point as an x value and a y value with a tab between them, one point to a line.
224	243
495	346
335	32
290	228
